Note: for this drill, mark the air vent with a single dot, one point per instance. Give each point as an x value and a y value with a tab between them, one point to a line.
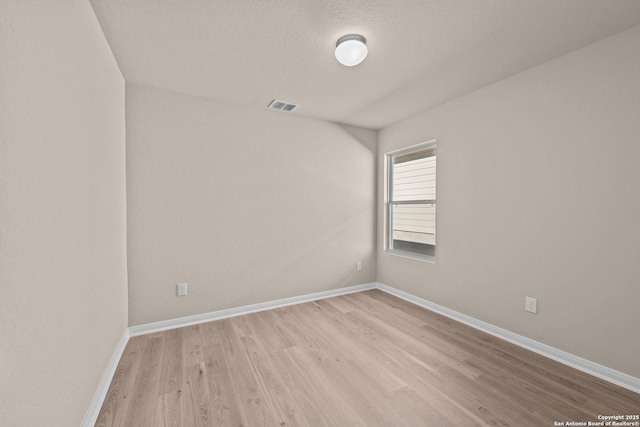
282	106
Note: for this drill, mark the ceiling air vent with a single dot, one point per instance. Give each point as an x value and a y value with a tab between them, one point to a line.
282	106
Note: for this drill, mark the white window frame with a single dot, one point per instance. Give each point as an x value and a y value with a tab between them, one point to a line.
389	202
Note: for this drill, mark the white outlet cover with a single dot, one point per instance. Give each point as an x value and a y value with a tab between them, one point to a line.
182	289
358	265
531	304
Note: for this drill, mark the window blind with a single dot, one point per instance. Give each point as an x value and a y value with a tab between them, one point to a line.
413	200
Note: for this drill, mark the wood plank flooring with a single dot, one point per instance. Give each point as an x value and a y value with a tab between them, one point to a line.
364	359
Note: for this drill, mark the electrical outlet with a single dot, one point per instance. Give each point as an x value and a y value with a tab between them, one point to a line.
531	304
358	265
182	289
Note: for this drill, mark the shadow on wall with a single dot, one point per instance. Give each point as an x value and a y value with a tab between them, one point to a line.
335	235
367	137
339	229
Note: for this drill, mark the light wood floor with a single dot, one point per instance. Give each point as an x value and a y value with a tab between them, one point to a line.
365	359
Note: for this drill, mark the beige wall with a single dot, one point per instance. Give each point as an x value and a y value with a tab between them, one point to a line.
63	283
245	205
538	196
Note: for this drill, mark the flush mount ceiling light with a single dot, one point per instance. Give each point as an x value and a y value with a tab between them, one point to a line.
351	49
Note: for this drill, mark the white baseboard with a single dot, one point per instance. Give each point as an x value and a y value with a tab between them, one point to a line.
91	416
239	311
584	365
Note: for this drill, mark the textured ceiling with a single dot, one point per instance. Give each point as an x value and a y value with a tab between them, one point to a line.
421	52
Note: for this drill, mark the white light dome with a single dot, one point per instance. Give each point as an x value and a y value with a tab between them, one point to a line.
351	49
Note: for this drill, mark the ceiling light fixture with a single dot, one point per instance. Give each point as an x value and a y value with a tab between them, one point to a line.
351	49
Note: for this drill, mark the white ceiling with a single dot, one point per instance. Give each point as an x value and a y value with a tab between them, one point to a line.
421	52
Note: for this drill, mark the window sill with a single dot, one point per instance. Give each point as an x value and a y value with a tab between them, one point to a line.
411	255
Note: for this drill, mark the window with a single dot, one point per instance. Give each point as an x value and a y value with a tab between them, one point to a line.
411	201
